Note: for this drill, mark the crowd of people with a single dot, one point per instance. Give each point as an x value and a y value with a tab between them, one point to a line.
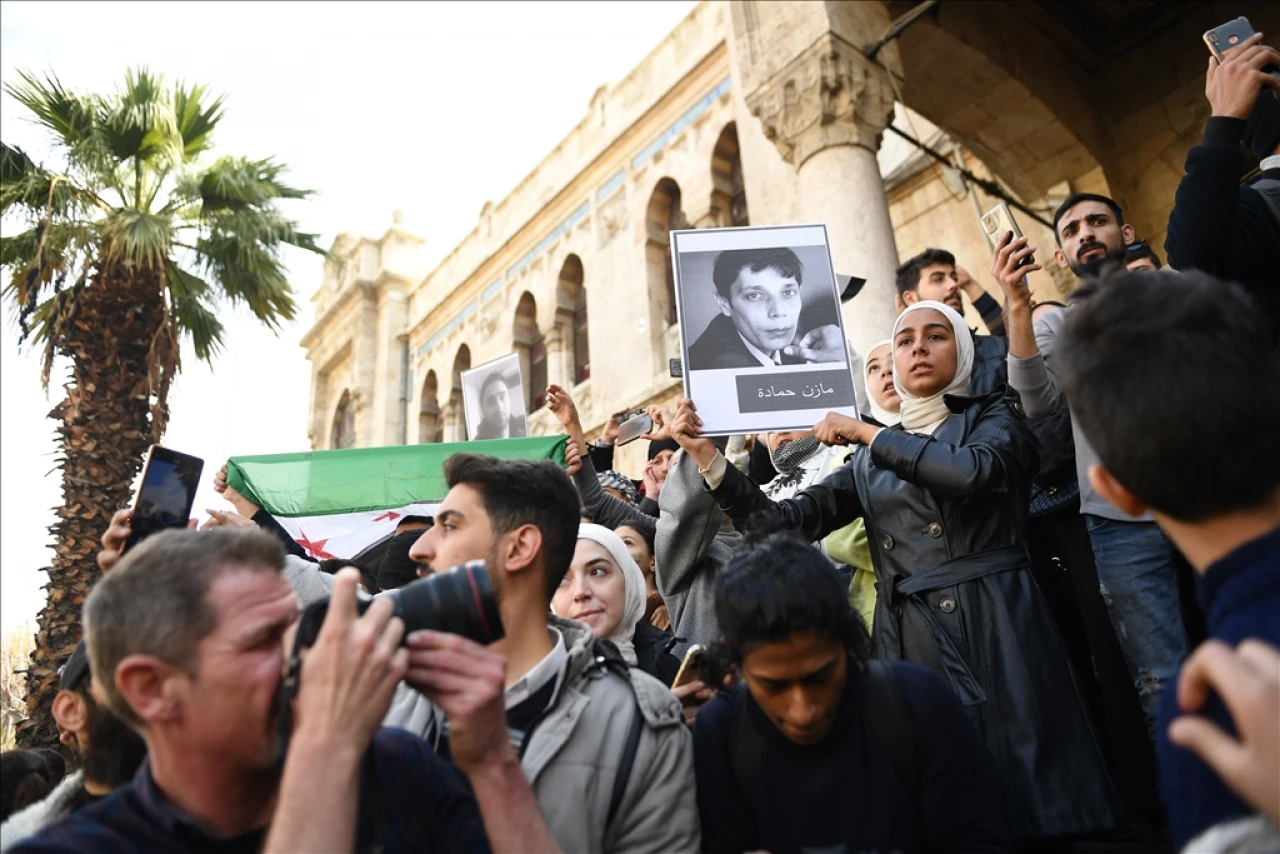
1029	601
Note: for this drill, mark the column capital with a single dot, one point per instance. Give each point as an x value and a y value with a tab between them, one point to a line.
830	94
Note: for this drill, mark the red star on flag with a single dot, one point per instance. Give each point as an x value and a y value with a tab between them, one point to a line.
315	549
390	514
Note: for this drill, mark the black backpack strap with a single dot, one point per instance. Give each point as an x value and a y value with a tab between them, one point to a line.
747	747
889	718
628	762
607	659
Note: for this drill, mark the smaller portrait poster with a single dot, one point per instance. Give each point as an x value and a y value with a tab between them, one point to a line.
761	333
493	399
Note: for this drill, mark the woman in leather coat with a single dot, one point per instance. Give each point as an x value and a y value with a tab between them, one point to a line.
944	497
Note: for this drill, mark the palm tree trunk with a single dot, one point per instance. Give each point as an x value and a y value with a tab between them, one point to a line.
107	422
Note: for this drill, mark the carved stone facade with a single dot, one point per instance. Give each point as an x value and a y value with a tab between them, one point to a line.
768	112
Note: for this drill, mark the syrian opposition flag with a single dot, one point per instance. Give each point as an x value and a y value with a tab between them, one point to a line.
346	503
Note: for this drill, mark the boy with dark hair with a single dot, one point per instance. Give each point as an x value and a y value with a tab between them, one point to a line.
758	292
820	748
574	712
1197	381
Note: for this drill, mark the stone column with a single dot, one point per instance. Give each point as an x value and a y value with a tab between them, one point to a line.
825	111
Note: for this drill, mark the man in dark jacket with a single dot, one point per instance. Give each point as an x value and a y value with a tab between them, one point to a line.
1223	514
1218	226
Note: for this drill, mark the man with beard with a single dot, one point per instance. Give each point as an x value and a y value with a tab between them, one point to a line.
107	751
497	421
1135	561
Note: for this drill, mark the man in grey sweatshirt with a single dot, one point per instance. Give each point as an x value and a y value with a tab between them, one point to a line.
1135	561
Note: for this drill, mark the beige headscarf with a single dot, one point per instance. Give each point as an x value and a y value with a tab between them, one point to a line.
926	414
884	416
633	584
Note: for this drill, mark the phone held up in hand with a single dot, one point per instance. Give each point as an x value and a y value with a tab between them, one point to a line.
169	483
1232	34
996	222
632	429
692	666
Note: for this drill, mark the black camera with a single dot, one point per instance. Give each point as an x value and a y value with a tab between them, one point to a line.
459	601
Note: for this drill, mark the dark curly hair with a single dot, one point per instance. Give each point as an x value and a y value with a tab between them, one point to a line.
775	586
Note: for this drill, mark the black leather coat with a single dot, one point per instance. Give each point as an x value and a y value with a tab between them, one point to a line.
945	516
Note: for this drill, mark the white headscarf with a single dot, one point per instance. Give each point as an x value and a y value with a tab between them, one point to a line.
926	414
633	585
884	416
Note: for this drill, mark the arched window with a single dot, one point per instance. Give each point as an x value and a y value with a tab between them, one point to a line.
571	299
343	434
526	339
430	425
664	215
729	194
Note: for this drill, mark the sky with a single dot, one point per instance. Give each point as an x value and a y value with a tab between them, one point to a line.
432	108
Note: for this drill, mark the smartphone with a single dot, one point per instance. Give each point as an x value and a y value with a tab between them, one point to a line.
996	222
1229	35
169	483
691	668
629	431
675	367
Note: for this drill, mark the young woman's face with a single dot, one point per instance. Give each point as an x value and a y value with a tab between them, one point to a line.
924	352
637	548
593	590
798	683
880	379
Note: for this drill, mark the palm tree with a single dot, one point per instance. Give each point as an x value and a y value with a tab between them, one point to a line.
132	240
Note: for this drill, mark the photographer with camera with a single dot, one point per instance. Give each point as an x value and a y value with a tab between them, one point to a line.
187	637
601	744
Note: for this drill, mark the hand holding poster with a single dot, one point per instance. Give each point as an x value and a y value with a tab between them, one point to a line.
493	399
760	328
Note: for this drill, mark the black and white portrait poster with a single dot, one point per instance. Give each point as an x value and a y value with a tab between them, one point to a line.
760	328
493	399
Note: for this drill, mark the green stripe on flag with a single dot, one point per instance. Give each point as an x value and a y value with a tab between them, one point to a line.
356	480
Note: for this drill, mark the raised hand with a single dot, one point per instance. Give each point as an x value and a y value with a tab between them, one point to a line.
563	408
687	431
1232	85
1006	270
823	344
661	423
609	434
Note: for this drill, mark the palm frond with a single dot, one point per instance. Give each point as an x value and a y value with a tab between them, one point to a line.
136	237
238	182
70	117
195	120
26	186
192	314
249	273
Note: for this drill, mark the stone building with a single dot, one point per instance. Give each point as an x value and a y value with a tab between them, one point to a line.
762	113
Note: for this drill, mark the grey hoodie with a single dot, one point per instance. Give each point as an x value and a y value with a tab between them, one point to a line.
55	806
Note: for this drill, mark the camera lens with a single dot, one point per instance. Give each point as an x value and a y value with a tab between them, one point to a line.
459	601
